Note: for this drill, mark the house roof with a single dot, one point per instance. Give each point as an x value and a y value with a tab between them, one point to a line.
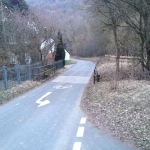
46	43
66	51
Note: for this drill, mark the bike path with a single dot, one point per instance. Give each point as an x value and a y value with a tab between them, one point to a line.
28	122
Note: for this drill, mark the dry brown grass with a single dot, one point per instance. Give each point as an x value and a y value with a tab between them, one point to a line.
121	107
128	70
15	91
24	87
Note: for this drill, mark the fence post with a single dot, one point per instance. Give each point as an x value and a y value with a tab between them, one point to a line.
54	68
59	63
5	77
18	73
29	72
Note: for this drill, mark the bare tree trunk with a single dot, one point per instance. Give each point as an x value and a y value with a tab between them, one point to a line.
141	55
148	56
146	19
117	51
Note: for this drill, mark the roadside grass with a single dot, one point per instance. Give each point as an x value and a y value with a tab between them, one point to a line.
69	62
6	95
11	93
120	107
17	90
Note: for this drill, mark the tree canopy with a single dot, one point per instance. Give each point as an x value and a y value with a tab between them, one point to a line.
60	52
12	4
126	15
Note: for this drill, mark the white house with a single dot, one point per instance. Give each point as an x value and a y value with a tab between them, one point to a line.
48	50
67	55
50	44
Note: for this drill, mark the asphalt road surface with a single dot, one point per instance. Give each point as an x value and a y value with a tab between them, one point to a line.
49	117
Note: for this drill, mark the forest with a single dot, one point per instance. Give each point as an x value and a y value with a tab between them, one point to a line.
11	4
89	28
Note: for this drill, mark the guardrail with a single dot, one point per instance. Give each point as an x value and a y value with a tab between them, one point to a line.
10	77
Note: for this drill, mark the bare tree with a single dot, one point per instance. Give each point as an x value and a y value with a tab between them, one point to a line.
22	35
135	15
138	19
111	20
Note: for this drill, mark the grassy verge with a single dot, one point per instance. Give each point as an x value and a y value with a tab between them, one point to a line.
69	62
7	95
122	107
18	90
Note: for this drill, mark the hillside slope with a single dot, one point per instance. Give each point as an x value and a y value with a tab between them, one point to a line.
12	4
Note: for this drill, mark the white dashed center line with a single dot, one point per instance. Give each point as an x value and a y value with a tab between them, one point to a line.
80	132
83	121
77	146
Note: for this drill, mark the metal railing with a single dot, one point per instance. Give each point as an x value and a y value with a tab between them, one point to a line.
10	77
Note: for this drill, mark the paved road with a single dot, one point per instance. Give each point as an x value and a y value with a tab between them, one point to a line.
49	117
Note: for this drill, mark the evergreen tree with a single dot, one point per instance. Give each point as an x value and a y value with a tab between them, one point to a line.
60	52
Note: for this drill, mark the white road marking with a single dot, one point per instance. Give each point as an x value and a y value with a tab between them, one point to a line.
77	146
62	87
72	79
42	103
83	121
80	132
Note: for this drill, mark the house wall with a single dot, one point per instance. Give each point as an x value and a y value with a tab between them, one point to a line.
67	55
50	58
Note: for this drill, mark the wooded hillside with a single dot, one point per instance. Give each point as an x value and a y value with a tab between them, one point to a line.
96	28
12	4
18	33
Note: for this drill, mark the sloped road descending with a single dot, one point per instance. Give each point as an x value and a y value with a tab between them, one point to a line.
49	117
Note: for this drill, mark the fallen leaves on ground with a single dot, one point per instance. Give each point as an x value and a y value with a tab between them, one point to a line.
122	108
24	87
17	90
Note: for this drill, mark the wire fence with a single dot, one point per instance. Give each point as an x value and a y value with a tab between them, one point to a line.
10	77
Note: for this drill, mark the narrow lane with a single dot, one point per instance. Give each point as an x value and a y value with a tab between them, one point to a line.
57	125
